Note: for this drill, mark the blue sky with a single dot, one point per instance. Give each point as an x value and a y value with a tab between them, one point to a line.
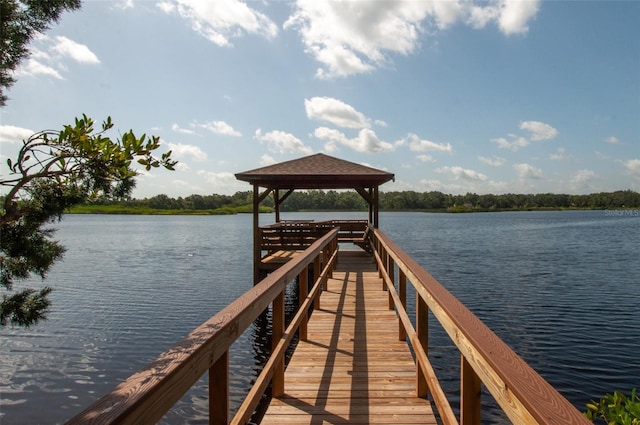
456	96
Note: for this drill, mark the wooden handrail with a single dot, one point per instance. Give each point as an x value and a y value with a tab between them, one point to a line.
524	396
439	397
146	396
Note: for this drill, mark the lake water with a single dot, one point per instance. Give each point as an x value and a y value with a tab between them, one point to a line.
561	288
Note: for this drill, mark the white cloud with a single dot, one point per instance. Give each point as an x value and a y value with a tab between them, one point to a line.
526	171
124	4
220	21
513	144
539	130
48	55
559	155
76	51
222	183
166	6
336	112
178	129
419	145
497	161
462	173
366	141
581	179
613	140
381	123
267	159
511	16
13	134
632	166
220	127
426	158
282	142
32	68
354	37
181	151
182	166
515	14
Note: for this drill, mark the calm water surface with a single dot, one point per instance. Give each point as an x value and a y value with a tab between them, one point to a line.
561	288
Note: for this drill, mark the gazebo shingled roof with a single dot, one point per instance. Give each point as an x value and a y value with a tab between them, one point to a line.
317	171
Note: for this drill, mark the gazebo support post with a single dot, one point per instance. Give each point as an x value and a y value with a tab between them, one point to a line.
256	235
376	207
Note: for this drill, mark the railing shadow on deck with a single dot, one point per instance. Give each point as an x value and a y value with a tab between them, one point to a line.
145	397
523	395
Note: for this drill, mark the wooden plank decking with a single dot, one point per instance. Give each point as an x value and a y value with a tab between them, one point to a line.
352	368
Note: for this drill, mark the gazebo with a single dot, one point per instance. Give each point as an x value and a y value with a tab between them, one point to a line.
318	171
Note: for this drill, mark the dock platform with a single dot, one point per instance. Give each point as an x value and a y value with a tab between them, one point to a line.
352	368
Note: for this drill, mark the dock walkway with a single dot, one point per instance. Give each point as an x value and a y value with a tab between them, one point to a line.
352	368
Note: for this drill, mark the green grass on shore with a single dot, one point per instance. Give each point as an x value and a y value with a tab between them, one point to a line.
120	209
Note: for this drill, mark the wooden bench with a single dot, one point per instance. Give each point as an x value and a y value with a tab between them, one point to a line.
284	240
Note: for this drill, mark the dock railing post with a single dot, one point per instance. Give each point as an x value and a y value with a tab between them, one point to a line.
316	275
277	382
402	293
470	394
325	260
384	256
219	391
392	277
422	331
303	290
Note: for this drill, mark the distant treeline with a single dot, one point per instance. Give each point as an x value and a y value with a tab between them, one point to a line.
389	201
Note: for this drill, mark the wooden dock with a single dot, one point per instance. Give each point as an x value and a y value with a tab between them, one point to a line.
352	368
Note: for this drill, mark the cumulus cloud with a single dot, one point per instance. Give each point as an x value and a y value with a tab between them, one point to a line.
496	161
336	112
539	130
178	129
527	171
182	151
515	15
513	143
511	16
76	51
612	140
426	158
220	127
356	37
48	56
559	155
222	183
282	142
462	173
632	166
365	141
33	67
420	145
220	21
267	159
13	134
582	178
